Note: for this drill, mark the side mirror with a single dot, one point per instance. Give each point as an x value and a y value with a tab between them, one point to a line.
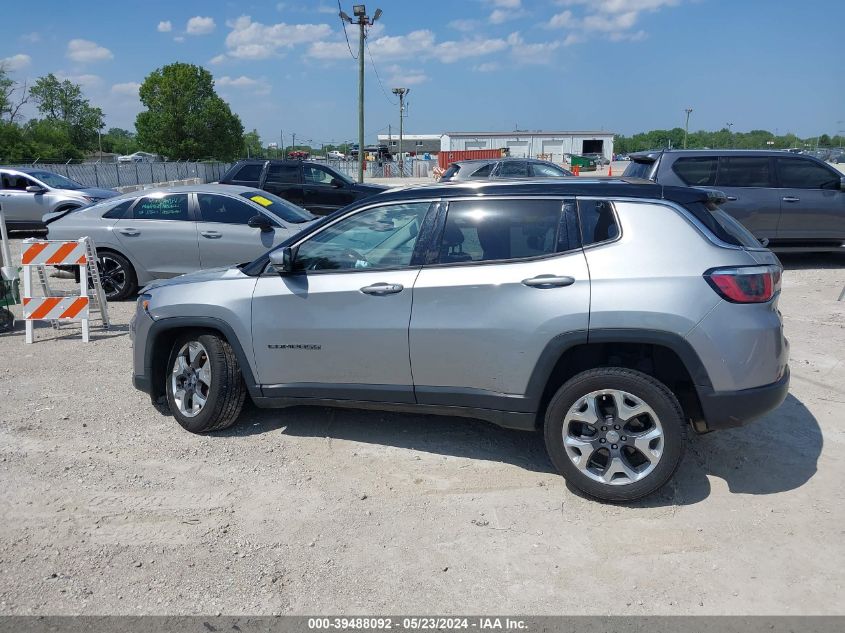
281	260
260	222
35	189
337	184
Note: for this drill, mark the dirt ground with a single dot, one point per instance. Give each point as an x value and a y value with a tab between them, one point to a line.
110	508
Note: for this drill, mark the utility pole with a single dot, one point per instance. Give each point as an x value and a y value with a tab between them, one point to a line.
401	92
730	135
686	126
360	12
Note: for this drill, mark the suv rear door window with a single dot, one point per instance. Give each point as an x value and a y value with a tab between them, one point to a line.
249	173
283	173
697	171
119	210
513	169
172	207
744	171
800	173
488	230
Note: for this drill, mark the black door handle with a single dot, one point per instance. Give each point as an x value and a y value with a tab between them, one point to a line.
380	289
548	281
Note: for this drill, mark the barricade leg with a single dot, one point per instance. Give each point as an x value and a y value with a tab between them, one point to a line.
27	292
83	283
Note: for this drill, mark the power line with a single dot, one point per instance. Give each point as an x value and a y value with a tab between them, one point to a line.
375	70
343	23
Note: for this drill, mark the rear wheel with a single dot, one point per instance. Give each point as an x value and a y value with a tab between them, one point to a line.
204	387
615	434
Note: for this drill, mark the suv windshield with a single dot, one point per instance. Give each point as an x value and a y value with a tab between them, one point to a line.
55	180
288	211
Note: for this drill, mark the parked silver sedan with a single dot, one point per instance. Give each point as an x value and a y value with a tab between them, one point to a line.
27	194
165	232
506	168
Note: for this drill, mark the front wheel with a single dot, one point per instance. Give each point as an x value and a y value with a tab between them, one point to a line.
615	434
205	390
117	276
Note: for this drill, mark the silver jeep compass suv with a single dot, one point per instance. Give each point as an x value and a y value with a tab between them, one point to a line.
612	315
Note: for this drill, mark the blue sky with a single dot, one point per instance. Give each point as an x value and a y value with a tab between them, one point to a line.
472	65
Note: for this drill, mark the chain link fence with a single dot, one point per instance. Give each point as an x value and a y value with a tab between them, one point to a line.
112	175
412	168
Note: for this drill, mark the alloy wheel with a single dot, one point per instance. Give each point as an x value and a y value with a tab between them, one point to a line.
191	378
613	437
113	275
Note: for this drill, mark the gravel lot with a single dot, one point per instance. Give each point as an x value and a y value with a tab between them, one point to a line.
110	508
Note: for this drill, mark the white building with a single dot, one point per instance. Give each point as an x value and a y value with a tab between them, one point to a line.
535	144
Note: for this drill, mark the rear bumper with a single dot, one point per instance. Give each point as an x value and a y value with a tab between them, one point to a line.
728	409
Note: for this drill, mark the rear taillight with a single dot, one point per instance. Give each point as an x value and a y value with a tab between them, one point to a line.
748	284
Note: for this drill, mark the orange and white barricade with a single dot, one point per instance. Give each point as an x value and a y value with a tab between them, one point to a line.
56	306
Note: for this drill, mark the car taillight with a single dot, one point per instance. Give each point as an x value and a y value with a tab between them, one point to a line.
748	284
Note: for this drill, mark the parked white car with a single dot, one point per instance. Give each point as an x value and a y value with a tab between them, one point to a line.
336	155
139	157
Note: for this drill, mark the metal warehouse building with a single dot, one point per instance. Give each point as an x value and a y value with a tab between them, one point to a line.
549	145
411	143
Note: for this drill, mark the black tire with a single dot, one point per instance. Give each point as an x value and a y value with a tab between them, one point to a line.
226	393
651	392
117	275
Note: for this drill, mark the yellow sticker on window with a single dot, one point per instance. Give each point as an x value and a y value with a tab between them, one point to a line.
264	202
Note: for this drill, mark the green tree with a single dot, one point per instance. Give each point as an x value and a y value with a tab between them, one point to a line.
119	141
252	144
185	118
63	102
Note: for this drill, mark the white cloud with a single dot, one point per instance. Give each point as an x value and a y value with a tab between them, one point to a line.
128	89
32	38
165	26
464	25
199	25
507	4
487	67
83	51
254	86
254	40
398	76
536	53
573	38
15	62
86	80
217	59
612	18
449	52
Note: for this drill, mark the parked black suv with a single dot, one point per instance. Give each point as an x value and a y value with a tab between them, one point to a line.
797	202
315	186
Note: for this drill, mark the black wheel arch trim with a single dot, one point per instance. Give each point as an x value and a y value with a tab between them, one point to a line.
562	343
195	322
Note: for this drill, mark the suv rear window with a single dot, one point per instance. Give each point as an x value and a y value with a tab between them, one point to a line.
639	169
697	171
248	173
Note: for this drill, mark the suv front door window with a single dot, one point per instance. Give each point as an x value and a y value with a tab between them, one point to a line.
812	203
225	238
501	265
342	320
323	190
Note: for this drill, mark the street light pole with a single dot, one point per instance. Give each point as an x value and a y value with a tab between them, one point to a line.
686	126
730	134
401	92
360	12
